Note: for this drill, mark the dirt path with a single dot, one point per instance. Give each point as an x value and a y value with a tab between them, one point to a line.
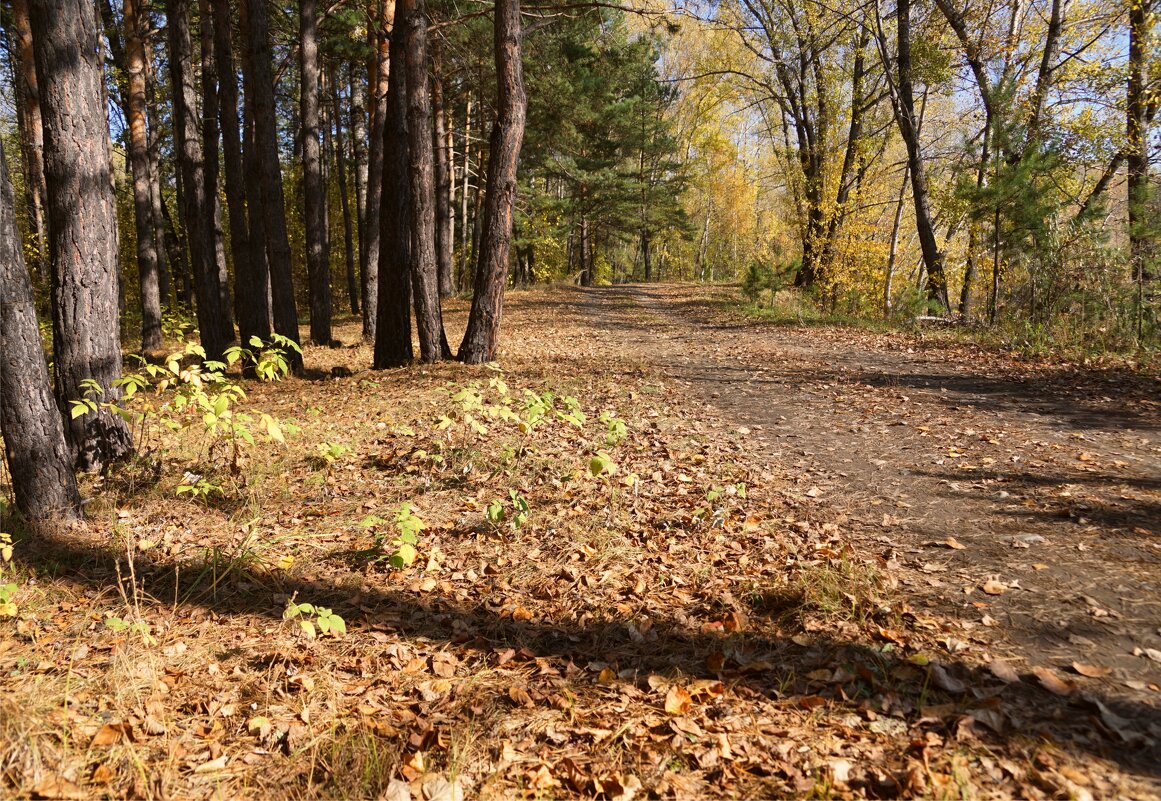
1048	481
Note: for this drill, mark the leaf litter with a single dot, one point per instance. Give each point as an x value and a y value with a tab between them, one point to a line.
686	621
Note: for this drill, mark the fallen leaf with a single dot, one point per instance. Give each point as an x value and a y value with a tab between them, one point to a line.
111	734
437	788
1092	671
993	587
58	787
397	791
954	544
1151	653
677	700
1003	671
607	675
1053	683
945	681
213	765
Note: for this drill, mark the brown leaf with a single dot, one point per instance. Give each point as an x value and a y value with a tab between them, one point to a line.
1092	671
607	675
57	787
111	734
1053	683
811	701
945	681
520	696
678	700
954	544
1003	671
213	765
993	587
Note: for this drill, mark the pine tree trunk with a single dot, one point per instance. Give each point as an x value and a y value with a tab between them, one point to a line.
393	313
197	206
231	132
38	458
134	100
82	223
162	241
344	198
376	166
412	17
31	127
211	136
254	282
443	214
482	336
314	188
358	125
260	85
465	181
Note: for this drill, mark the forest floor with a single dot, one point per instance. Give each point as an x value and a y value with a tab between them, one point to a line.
758	560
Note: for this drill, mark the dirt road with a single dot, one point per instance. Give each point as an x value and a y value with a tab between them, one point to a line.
1026	499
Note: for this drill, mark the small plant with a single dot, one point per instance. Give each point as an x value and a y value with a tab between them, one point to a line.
119	625
400	551
514	513
8	590
615	428
602	464
314	620
717	506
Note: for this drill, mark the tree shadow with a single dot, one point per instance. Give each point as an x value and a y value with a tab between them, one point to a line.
762	656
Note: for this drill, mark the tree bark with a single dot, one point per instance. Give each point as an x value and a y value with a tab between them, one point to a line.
1137	138
358	125
443	212
134	98
163	242
344	197
393	313
31	127
82	224
231	134
197	206
412	17
314	188
376	166
254	282
908	127
260	85
482	336
38	457
211	136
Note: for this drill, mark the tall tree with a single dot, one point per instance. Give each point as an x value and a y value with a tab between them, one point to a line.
250	316
82	224
314	188
443	211
344	197
197	205
382	27
482	335
901	83
393	306
30	124
260	87
412	17
1137	136
34	444
135	101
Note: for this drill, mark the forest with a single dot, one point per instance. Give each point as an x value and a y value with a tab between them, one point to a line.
441	400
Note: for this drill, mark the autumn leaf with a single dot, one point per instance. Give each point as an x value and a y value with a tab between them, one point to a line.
1091	671
1053	683
678	700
